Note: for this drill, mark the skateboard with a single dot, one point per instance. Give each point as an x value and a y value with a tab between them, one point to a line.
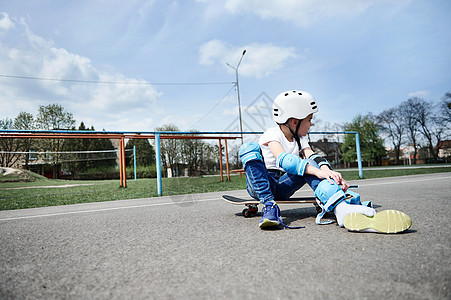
251	204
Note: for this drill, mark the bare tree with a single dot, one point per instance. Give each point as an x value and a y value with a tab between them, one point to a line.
391	122
408	111
196	154
444	112
25	121
170	148
8	146
430	126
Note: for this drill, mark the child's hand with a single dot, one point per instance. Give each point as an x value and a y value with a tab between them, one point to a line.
329	175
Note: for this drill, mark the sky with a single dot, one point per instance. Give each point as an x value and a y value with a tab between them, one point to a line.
137	65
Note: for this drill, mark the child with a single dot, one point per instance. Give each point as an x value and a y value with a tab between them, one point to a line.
282	162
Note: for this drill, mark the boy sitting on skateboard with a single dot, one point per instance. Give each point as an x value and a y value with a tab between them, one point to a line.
282	162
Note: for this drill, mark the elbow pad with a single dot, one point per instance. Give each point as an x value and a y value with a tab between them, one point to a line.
321	161
291	163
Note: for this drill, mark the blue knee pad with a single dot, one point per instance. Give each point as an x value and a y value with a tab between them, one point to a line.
328	196
354	199
250	151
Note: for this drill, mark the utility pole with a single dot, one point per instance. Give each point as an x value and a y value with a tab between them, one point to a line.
238	92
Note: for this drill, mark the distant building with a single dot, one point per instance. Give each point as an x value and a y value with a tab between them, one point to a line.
329	150
444	150
178	170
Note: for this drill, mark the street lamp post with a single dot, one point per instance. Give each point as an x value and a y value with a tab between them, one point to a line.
238	92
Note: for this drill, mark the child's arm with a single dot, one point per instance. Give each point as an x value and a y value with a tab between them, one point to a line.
294	164
308	152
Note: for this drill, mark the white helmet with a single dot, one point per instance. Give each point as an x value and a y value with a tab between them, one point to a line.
293	104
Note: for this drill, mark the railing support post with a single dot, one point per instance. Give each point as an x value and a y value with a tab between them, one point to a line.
134	160
158	163
359	156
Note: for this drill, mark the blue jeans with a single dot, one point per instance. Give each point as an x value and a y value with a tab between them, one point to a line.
266	185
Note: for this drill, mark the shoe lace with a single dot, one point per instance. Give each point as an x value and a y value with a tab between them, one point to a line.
276	207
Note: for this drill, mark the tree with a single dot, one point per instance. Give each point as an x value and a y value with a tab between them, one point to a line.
8	145
444	113
102	159
25	121
75	161
54	117
371	145
81	162
235	161
195	153
391	122
170	149
145	154
430	126
408	110
445	107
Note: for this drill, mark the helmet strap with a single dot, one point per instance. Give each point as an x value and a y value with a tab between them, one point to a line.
296	136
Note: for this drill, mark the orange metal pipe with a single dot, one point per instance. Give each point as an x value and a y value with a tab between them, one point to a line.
122	137
120	162
220	160
60	136
123	169
109	136
227	160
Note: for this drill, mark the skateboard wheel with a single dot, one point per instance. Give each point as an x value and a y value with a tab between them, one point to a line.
247	213
318	209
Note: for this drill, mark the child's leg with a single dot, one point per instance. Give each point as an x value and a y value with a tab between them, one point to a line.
257	179
358	217
259	183
343	209
332	199
287	185
259	187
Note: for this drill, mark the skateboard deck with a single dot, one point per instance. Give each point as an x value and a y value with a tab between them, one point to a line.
236	200
252	204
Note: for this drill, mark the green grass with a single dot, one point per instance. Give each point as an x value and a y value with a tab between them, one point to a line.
105	190
380	173
24	176
108	190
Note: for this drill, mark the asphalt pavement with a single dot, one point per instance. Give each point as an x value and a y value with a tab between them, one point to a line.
200	247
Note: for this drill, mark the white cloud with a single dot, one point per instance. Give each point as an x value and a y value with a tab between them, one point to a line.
419	94
211	51
95	103
301	13
260	60
230	111
5	22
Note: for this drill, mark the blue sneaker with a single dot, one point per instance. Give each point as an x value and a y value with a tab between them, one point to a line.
271	215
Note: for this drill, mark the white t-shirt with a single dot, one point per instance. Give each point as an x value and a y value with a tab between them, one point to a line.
276	134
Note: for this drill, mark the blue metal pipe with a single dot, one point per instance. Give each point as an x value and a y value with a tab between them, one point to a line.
155	132
157	141
359	156
134	159
158	163
125	132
